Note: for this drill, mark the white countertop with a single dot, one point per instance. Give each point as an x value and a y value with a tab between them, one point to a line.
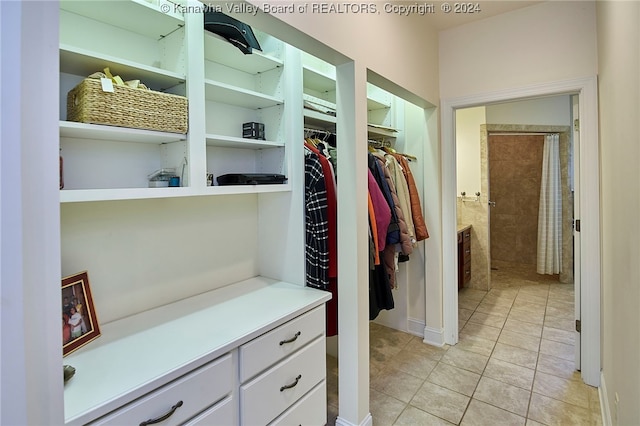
137	354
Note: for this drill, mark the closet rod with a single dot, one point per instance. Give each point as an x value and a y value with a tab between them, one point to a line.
317	131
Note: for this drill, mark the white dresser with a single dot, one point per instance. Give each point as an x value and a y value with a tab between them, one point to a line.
252	353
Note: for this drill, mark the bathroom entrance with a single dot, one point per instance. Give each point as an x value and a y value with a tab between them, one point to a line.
515	181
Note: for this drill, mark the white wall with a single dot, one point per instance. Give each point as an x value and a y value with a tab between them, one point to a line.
619	92
468	122
402	49
552	111
156	246
550	41
31	356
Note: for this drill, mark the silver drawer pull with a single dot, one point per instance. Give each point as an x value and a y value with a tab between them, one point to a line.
292	384
164	416
293	339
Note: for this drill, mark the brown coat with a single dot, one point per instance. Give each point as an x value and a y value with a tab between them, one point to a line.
416	209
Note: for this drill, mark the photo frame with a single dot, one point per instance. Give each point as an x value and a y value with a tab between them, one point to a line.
79	320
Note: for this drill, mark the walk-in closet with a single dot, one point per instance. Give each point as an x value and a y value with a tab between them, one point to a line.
201	312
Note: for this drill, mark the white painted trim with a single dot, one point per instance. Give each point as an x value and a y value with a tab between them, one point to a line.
589	208
605	410
415	327
368	421
434	337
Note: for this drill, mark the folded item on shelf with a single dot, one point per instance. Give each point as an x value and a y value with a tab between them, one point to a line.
235	32
251	179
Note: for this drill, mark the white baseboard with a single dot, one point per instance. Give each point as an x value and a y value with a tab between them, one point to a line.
604	402
433	336
368	421
415	327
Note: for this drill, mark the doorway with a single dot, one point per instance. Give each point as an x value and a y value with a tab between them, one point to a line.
588	297
514	172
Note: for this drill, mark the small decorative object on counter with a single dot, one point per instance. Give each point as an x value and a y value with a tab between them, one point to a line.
79	320
163	178
253	130
68	371
209	179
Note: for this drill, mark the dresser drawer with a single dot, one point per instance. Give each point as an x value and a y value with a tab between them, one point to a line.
185	397
223	413
271	347
310	410
268	395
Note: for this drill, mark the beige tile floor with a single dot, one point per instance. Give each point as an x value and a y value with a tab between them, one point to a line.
513	365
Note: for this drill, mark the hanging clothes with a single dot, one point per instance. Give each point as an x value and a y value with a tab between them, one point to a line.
381	211
416	206
403	244
316	224
323	171
402	191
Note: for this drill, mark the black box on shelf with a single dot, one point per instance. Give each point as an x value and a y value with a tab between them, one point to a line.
253	130
251	179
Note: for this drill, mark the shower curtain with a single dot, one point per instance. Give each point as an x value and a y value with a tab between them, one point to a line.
550	212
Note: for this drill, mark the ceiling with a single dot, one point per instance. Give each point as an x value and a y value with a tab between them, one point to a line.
442	21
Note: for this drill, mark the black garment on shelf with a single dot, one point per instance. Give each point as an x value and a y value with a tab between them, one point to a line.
235	32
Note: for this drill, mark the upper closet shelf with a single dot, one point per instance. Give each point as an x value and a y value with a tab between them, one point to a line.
78	61
233	95
320	120
375	130
69	129
373	104
154	20
114	194
218	50
318	81
236	142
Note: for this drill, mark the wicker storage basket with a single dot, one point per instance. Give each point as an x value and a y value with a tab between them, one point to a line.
127	107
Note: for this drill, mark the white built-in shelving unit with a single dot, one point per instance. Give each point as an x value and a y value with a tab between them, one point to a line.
106	201
320	89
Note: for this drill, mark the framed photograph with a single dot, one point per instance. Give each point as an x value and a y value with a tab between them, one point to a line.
79	321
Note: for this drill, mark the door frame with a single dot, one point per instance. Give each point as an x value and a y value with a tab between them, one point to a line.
588	298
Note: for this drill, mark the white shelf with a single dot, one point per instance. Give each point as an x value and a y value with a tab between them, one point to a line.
83	62
380	131
373	104
138	16
70	129
221	51
115	194
233	95
242	143
320	120
147	350
246	189
317	80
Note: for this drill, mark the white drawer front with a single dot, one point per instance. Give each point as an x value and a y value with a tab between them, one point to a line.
197	390
268	395
311	410
224	412
273	346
